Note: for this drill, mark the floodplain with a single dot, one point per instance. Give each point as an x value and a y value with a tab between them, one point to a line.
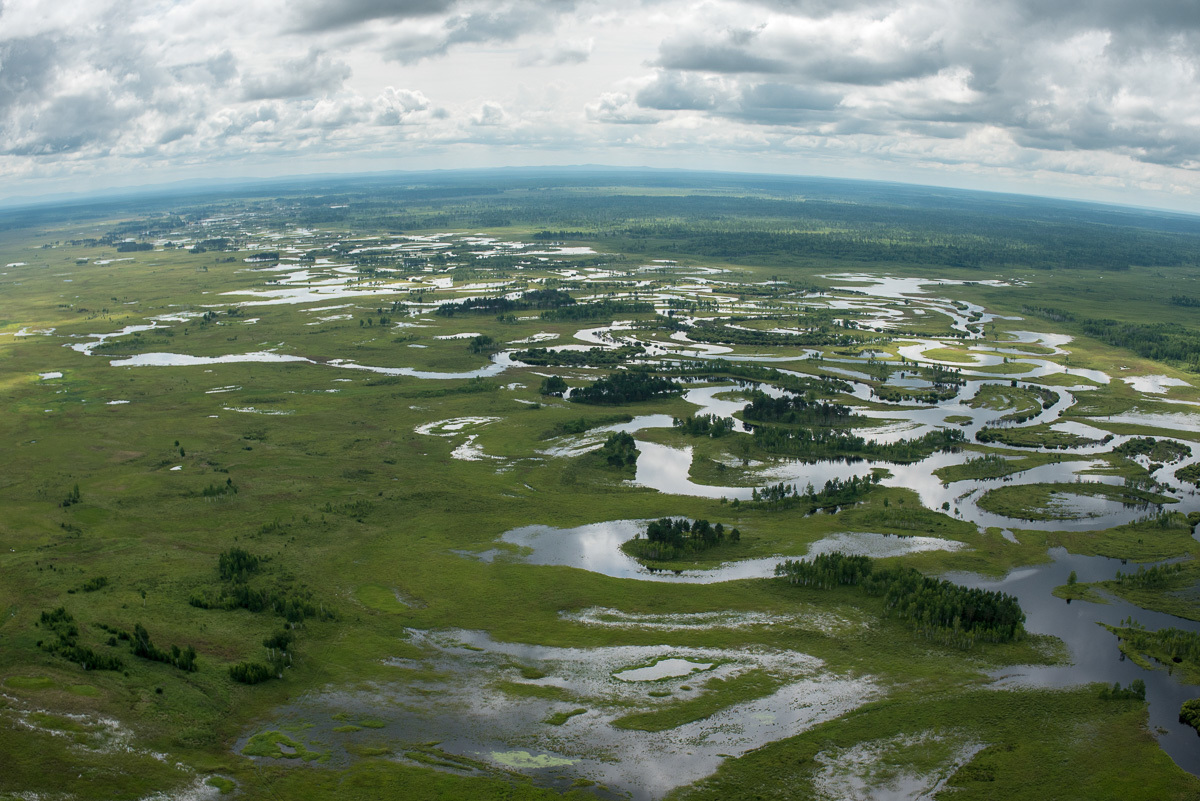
438	485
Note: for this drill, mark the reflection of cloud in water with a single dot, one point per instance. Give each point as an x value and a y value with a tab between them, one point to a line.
469	716
859	543
1176	421
597	547
809	618
1157	384
870	771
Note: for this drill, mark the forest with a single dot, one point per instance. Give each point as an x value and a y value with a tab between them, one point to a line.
805	443
795	409
938	609
626	386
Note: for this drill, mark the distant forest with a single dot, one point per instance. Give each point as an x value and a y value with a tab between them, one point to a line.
756	219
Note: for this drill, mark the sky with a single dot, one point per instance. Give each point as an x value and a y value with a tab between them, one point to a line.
1097	100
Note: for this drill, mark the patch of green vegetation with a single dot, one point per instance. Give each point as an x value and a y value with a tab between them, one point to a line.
1052	501
1071	740
518	689
30	682
222	784
958	355
430	754
1161	536
992	465
379	598
1190	474
277	745
1176	649
1079	592
1157	450
559	718
1040	436
716	694
1189	713
524	759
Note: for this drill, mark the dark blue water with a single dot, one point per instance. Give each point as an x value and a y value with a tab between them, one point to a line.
1094	651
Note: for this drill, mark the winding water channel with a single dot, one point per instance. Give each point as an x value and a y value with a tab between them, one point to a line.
1094	654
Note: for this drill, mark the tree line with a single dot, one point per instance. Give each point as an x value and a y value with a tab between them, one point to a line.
65	643
592	357
938	609
794	409
835	493
626	386
534	299
235	567
718	369
1169	645
703	425
831	444
596	310
727	335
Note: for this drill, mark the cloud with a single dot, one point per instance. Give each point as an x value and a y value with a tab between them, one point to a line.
216	71
489	114
394	106
576	51
840	48
1104	90
70	123
314	74
785	103
673	91
618	108
486	23
316	16
26	67
729	51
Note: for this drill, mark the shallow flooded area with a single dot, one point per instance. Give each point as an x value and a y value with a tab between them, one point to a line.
561	714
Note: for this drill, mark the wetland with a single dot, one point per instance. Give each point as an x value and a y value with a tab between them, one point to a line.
287	513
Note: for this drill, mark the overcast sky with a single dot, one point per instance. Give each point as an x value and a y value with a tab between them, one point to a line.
1096	99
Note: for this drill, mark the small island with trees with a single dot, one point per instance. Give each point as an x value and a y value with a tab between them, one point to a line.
670	539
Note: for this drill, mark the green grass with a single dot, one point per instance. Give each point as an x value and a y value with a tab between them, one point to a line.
224	785
1068	740
992	465
559	718
1079	592
29	682
277	745
1043	501
715	694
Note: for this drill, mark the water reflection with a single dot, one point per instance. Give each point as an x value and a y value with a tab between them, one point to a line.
1095	656
597	547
